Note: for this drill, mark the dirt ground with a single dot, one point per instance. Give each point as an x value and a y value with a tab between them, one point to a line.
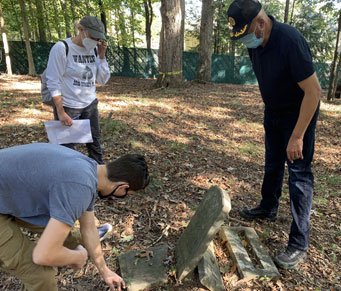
193	138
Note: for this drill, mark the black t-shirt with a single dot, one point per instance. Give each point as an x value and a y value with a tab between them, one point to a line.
280	65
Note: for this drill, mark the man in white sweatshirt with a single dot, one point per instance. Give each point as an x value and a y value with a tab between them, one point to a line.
74	67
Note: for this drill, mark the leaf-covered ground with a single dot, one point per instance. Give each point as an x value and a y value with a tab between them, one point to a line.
194	137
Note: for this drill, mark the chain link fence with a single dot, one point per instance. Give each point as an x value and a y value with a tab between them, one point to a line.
143	63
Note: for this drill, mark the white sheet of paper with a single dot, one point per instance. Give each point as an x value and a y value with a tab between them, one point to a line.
78	132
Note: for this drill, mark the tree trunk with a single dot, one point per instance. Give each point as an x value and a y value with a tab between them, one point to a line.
132	27
292	12
337	86
205	45
217	28
334	68
47	17
103	15
286	11
31	68
32	21
116	22
63	3
74	17
56	16
41	20
171	43
148	13
5	42
122	27
235	72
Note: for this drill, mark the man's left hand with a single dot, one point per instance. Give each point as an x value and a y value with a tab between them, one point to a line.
294	149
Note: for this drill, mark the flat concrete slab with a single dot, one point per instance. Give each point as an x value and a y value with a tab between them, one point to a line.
201	230
246	268
144	269
209	273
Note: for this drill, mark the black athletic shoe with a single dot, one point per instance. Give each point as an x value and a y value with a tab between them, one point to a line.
257	213
290	258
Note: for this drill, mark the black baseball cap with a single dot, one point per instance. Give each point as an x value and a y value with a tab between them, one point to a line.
240	15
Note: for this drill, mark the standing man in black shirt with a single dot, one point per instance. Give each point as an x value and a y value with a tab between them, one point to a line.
282	62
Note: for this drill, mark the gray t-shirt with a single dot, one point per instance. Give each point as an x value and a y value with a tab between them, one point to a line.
41	181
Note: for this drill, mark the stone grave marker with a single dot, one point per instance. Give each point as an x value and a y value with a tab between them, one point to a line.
209	273
246	268
201	230
144	269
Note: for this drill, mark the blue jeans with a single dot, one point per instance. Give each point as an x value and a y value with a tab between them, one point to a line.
90	112
278	129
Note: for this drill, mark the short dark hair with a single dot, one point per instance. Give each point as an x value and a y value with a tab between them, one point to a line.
130	168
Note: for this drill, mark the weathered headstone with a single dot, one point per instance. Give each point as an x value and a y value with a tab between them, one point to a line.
144	269
202	228
246	267
209	273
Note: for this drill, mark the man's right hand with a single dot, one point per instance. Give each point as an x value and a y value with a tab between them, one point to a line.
64	118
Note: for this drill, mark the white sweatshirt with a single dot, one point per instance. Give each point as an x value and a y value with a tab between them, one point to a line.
74	76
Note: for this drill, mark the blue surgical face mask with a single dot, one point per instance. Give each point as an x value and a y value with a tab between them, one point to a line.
251	40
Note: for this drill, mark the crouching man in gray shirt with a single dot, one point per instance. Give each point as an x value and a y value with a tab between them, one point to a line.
49	186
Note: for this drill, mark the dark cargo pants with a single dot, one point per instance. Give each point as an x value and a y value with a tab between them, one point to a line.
90	112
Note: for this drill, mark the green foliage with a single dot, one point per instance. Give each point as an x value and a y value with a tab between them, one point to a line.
316	19
318	25
274	8
126	17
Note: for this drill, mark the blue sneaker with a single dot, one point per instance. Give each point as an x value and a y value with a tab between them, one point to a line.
104	230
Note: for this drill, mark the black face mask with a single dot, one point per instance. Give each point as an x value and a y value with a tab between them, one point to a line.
112	194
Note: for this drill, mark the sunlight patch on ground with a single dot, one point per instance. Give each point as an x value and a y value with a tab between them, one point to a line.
31	112
172	138
26	121
29	116
137	145
330	107
205	181
102	106
28	87
118	105
216	112
161	104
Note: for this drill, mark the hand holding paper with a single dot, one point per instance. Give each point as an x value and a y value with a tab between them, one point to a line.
79	132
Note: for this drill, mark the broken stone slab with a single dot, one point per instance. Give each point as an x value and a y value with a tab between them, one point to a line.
203	226
144	269
245	266
209	272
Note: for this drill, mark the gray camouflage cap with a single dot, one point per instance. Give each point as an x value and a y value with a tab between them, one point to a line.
94	26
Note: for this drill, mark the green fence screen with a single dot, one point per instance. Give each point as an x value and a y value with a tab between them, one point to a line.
143	63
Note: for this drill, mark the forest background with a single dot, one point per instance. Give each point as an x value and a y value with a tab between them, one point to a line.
193	134
133	26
